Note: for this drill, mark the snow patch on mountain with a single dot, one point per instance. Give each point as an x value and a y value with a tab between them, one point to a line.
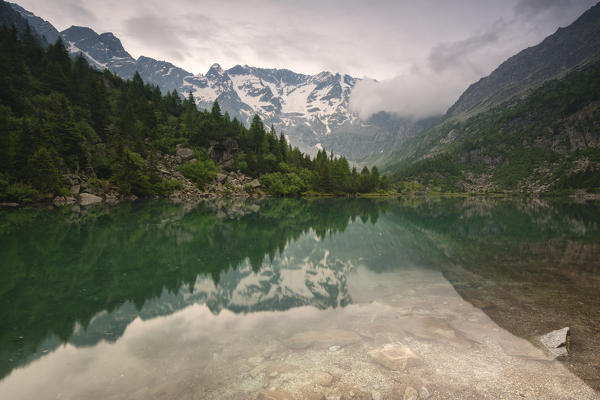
313	111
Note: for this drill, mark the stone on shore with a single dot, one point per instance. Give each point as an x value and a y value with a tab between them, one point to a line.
556	342
63	201
87	199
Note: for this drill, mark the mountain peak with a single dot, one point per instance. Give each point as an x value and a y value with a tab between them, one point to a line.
79	30
215	71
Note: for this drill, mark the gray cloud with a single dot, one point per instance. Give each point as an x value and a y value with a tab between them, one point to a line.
529	8
435	84
154	31
449	55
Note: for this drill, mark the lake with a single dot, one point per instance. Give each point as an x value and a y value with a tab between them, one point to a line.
305	299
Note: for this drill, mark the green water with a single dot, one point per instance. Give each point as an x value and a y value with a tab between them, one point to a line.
75	282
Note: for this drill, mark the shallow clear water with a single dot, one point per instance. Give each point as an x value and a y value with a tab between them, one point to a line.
304	299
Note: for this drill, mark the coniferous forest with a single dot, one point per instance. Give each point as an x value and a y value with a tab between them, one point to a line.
60	116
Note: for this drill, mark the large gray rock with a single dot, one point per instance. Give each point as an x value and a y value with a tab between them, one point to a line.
75	189
87	199
556	342
184	152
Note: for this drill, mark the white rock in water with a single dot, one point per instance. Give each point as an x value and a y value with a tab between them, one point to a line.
556	342
334	348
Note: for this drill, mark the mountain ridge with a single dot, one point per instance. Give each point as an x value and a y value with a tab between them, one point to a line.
312	110
566	49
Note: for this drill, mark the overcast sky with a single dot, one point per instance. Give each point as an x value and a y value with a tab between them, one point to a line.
425	53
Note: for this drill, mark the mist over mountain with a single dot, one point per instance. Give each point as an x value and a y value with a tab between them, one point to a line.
530	126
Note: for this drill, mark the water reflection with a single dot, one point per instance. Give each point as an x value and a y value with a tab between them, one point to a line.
274	269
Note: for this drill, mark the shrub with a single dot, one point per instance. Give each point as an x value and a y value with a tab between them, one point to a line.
200	171
130	177
166	187
19	192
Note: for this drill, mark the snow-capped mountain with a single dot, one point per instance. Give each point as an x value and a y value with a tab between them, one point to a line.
313	111
103	51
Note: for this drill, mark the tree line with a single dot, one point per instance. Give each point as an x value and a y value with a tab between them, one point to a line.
58	115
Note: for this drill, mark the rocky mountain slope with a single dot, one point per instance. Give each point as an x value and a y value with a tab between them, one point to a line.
313	111
42	27
531	126
548	142
567	49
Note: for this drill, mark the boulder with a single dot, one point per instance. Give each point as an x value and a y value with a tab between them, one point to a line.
86	199
112	198
63	201
75	189
184	152
557	342
221	178
71	179
254	184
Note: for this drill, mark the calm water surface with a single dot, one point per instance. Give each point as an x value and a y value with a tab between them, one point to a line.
300	299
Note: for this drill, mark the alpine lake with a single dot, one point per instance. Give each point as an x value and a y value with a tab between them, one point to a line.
410	298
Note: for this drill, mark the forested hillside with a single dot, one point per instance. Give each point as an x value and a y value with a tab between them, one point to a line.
59	117
548	142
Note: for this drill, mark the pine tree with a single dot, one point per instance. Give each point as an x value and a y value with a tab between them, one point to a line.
42	172
216	111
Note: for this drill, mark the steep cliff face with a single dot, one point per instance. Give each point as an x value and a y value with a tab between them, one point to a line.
567	49
549	142
531	126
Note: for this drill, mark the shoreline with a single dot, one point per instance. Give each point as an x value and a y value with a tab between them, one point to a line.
86	199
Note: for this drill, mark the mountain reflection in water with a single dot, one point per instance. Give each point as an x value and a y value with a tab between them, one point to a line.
84	277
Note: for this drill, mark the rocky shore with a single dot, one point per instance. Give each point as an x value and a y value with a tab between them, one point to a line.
87	191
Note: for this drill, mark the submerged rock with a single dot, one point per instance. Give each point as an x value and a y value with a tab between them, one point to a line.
274	395
410	394
323	379
396	357
325	338
424	393
556	342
